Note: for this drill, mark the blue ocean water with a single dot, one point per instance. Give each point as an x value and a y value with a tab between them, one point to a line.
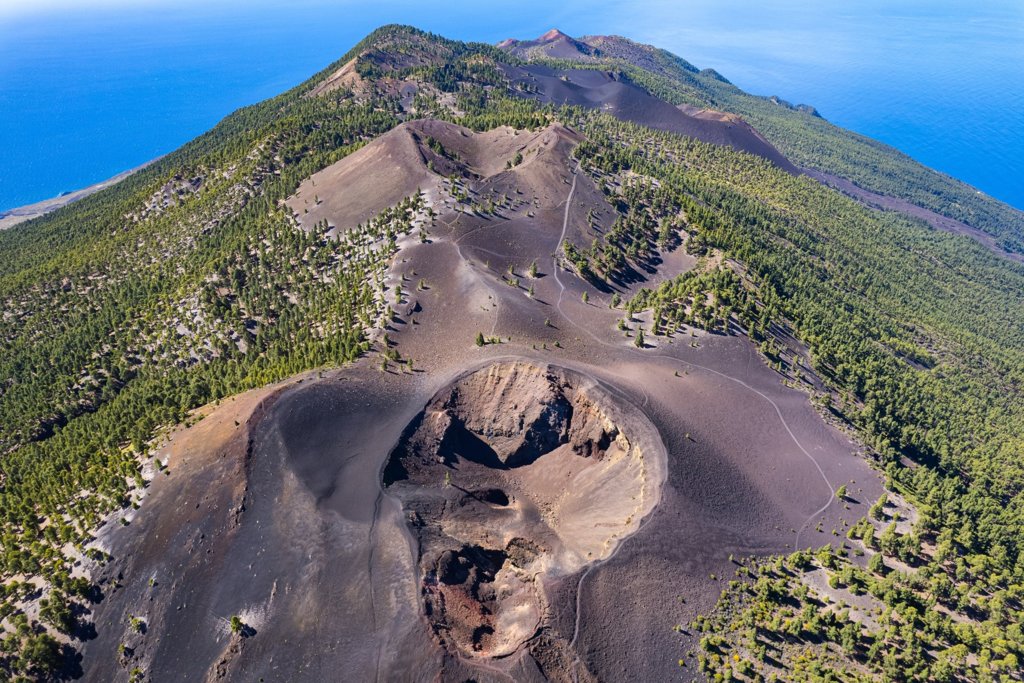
89	88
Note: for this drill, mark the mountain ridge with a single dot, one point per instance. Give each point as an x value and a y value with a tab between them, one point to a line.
472	304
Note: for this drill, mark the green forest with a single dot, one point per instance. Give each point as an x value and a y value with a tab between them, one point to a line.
190	281
807	139
920	335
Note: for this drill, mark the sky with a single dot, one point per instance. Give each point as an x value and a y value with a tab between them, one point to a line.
92	87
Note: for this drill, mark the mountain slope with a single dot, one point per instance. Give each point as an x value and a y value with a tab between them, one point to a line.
805	138
621	98
553	44
529	336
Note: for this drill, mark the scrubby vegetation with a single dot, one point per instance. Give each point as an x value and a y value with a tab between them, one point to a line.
186	283
918	333
805	138
190	281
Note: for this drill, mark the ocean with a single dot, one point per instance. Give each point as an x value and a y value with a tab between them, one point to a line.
93	87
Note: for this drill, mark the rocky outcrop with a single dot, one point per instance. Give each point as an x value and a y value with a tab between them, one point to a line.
505	416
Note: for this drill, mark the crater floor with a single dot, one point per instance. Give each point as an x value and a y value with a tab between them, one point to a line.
514	475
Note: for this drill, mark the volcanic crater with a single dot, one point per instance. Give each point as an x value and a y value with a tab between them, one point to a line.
516	474
487	516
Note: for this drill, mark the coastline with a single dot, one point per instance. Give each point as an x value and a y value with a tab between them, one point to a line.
20	214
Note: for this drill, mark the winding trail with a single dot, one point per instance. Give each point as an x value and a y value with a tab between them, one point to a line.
686	364
369	573
757	392
561	238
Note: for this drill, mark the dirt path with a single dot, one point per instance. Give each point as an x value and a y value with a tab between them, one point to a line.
774	405
691	364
